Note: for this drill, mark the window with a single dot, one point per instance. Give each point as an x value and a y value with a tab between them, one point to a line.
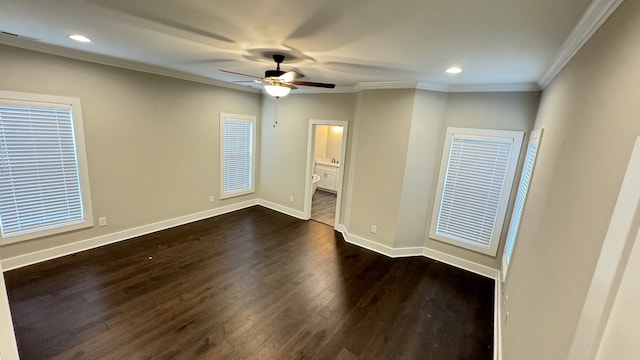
521	197
44	186
237	143
476	176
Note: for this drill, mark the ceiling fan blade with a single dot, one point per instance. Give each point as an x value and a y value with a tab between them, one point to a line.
316	84
290	76
237	73
276	82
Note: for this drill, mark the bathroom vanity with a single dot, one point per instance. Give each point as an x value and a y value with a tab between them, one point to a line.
329	173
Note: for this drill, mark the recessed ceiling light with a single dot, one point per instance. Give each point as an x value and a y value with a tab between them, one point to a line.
79	38
453	70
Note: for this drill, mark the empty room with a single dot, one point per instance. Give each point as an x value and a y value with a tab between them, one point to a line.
319	180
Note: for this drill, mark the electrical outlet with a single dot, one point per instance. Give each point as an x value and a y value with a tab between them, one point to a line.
102	221
290	198
374	229
212	199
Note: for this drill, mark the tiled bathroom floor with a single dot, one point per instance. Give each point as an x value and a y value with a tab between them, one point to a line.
323	207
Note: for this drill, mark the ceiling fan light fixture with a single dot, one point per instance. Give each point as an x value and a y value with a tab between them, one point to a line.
277	90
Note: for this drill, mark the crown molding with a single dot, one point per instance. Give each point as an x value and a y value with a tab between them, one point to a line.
318	90
433	87
595	15
34	45
495	88
380	85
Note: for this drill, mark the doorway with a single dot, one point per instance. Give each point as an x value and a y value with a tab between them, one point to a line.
326	154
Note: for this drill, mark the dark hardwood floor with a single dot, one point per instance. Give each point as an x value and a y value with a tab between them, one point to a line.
253	284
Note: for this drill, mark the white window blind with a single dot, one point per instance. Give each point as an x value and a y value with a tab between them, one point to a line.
521	197
40	185
237	154
474	186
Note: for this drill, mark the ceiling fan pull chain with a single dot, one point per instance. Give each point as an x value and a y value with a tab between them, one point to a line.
275	112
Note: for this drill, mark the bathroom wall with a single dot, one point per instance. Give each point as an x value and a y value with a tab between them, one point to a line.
328	142
334	142
152	142
321	142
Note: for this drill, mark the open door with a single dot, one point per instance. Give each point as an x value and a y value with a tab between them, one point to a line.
327	161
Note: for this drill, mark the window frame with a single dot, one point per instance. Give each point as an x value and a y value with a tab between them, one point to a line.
51	101
224	118
521	198
503	136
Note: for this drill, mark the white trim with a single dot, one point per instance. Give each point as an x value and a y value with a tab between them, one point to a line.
433	87
419	251
378	85
364	243
608	271
500	136
52	253
534	138
82	245
494	87
319	90
8	345
310	166
75	105
454	261
27	44
237	118
595	15
282	209
462	263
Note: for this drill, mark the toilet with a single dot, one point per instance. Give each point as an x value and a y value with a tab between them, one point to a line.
315	178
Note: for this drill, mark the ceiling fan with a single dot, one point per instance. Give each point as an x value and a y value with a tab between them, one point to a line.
278	82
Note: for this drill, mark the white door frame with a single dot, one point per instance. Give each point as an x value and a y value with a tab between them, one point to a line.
311	140
8	347
611	264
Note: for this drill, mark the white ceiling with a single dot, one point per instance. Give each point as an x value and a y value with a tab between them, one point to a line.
352	43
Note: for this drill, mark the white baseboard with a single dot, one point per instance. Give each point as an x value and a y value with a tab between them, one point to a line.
365	243
283	209
59	251
447	259
462	263
67	249
419	251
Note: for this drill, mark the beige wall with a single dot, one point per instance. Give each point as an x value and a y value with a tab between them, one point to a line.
152	145
590	118
421	169
382	133
152	142
283	151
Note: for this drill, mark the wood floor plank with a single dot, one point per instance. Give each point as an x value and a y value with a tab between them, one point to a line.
253	284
